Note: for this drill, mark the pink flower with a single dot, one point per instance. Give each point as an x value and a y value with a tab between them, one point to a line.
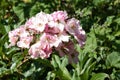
25	42
59	16
63	37
23	35
41	50
29	22
14	35
46	49
51	39
54	27
34	50
56	30
35	25
44	17
12	38
74	28
49	31
80	36
68	49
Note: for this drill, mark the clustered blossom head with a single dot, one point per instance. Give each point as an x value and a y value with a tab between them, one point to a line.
45	32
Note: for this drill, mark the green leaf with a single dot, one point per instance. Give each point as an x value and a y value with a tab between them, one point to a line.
3	39
34	9
4	71
87	69
60	65
3	63
65	73
108	20
87	11
117	33
13	66
65	61
113	60
30	71
19	11
14	49
7	28
50	76
87	64
117	75
56	61
100	2
91	42
75	76
99	76
117	21
16	60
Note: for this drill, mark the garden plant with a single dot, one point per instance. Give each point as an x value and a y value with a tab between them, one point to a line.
60	40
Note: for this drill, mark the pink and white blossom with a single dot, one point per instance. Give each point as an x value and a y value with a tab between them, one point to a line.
34	50
74	28
14	35
35	24
59	16
25	42
51	39
41	50
43	33
80	36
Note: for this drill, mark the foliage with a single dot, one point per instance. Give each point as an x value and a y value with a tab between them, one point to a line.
98	59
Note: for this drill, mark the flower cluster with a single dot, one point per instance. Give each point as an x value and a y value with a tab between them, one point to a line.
44	33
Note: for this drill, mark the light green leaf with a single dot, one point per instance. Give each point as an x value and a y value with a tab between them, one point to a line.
117	33
50	76
91	42
117	21
60	64
75	76
57	59
99	76
13	66
12	50
86	11
4	71
113	60
65	73
108	21
64	61
85	73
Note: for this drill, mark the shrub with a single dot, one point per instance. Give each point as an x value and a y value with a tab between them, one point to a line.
97	60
